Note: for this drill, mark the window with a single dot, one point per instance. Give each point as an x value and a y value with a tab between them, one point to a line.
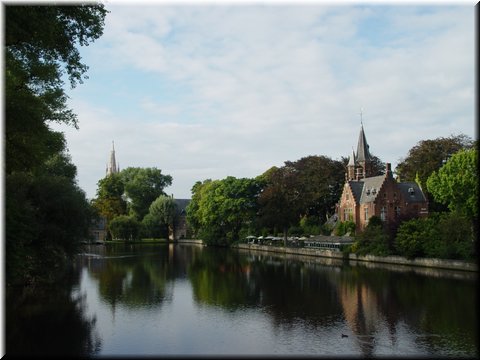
383	213
366	212
397	210
347	196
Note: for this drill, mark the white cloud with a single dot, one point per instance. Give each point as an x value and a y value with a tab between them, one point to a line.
244	88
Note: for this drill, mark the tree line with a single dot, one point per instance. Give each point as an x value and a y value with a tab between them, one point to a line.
298	198
134	204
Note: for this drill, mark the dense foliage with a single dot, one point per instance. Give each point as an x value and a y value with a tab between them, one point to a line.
428	156
441	235
456	183
132	191
125	227
46	212
220	208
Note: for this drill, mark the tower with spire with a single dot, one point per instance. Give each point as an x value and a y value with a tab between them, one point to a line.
112	167
360	164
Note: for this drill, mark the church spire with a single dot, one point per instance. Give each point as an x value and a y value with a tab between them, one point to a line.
363	154
112	166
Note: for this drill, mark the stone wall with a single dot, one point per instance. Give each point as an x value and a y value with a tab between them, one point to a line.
399	260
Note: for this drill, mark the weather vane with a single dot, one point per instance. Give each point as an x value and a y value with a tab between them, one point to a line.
361	116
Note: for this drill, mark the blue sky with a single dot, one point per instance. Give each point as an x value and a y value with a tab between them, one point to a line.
204	90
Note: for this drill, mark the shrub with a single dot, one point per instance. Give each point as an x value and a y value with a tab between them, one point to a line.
372	240
411	236
441	235
345	227
125	227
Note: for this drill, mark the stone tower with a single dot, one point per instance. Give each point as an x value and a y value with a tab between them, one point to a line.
363	158
112	167
360	164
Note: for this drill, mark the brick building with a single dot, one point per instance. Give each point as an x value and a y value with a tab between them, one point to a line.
365	196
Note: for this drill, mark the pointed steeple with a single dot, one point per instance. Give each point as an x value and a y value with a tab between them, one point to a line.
112	166
351	167
363	154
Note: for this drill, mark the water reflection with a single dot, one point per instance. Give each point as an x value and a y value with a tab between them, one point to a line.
50	321
173	299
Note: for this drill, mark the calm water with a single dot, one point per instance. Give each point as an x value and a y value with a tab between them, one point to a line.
189	300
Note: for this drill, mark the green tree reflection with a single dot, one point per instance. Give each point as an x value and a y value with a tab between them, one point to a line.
49	321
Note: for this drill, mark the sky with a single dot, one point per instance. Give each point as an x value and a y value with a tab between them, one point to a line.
210	90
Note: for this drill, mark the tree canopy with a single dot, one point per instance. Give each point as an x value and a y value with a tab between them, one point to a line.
46	212
220	208
142	187
455	184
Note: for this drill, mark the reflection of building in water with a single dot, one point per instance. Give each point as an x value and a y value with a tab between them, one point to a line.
359	304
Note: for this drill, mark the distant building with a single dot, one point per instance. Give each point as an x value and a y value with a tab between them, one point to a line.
365	196
112	167
98	229
180	229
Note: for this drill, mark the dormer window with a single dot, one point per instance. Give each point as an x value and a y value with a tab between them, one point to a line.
411	191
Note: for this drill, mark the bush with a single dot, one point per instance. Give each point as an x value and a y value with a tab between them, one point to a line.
444	236
125	227
345	227
373	240
412	235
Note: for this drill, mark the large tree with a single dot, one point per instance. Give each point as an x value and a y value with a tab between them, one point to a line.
428	156
163	211
109	202
46	212
280	201
41	45
142	187
220	208
319	182
456	183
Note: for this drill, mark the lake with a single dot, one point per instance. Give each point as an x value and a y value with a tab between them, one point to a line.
186	299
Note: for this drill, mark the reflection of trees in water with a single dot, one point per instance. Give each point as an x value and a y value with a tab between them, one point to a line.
374	302
138	275
49	321
132	280
220	277
287	290
440	307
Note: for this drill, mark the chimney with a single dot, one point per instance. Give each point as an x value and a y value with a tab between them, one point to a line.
388	168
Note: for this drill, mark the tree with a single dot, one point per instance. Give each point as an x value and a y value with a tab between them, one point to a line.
194	218
46	212
125	227
429	156
220	208
280	203
319	182
142	187
163	211
456	183
47	215
40	45
109	202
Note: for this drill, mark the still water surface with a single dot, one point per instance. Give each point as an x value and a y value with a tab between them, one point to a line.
193	300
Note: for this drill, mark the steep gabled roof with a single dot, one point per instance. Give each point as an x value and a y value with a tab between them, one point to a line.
357	187
411	196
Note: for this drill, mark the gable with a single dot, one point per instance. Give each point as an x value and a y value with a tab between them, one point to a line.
371	188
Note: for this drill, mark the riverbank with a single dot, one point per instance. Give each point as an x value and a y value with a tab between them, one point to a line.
398	260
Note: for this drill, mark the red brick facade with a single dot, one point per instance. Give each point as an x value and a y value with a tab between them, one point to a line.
382	196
